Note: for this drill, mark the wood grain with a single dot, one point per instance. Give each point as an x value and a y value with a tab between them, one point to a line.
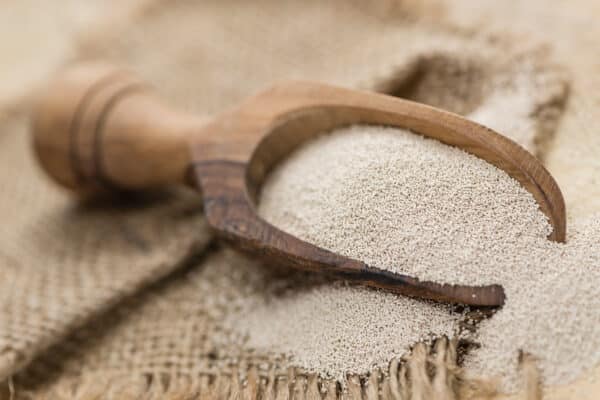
100	128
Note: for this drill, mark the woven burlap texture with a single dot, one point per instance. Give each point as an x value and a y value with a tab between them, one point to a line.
128	297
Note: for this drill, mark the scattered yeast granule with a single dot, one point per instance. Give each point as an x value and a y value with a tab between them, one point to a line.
552	311
413	205
335	329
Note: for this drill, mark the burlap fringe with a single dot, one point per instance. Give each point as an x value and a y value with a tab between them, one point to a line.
429	373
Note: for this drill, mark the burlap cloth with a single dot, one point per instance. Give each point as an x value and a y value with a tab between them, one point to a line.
126	300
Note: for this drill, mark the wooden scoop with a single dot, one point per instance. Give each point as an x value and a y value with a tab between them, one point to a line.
97	127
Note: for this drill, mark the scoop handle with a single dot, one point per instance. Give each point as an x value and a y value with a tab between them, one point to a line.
97	128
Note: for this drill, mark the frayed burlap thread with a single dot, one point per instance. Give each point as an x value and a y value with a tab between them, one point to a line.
428	373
